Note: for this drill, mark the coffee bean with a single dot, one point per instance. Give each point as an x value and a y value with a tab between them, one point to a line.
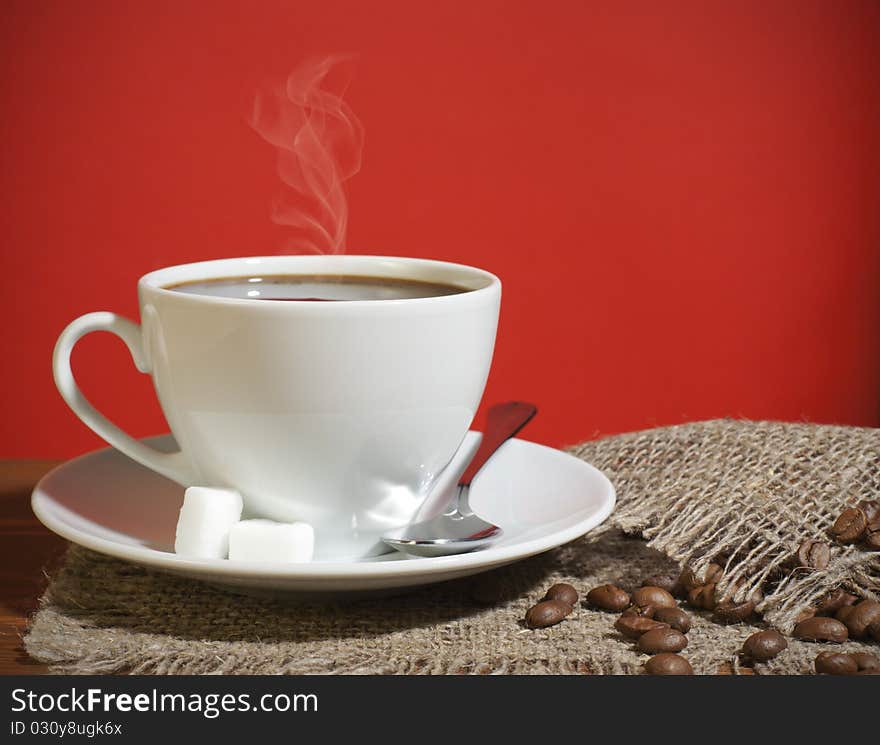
813	554
608	597
755	596
805	614
863	615
675	617
874	631
648	611
564	592
667	663
872	536
833	602
866	661
728	613
688	580
871	508
662	640
764	645
667	582
634	626
703	597
713	574
547	613
656	596
821	629
850	525
841	614
832	663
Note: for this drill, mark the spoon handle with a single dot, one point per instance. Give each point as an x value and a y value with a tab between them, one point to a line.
503	422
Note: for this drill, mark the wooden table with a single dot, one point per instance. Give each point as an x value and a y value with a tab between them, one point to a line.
27	551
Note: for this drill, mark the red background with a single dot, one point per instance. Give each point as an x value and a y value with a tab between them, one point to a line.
681	198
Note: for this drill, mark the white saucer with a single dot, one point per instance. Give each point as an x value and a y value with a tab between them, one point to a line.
540	497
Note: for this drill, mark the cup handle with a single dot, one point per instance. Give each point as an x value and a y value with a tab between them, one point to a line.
174	466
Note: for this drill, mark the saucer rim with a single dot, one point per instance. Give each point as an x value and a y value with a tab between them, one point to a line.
42	504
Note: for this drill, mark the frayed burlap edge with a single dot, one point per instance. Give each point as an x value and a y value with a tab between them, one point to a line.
746	494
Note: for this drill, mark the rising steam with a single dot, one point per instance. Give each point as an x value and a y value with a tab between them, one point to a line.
319	142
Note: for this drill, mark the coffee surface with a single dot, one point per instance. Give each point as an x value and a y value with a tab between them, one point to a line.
316	287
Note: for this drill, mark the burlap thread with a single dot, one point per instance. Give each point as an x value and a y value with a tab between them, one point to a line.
750	493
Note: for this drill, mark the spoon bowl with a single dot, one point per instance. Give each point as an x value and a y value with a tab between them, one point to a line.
458	530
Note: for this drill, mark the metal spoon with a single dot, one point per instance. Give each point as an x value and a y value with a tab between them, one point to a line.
458	529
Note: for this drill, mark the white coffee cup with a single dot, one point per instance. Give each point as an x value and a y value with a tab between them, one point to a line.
339	414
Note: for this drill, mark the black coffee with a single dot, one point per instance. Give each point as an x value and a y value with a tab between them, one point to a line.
316	287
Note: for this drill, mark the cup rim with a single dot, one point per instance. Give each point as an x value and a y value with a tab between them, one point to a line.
158	280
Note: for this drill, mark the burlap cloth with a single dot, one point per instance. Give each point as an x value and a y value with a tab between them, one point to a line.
748	491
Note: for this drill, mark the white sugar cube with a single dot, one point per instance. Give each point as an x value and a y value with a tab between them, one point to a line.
205	519
266	540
